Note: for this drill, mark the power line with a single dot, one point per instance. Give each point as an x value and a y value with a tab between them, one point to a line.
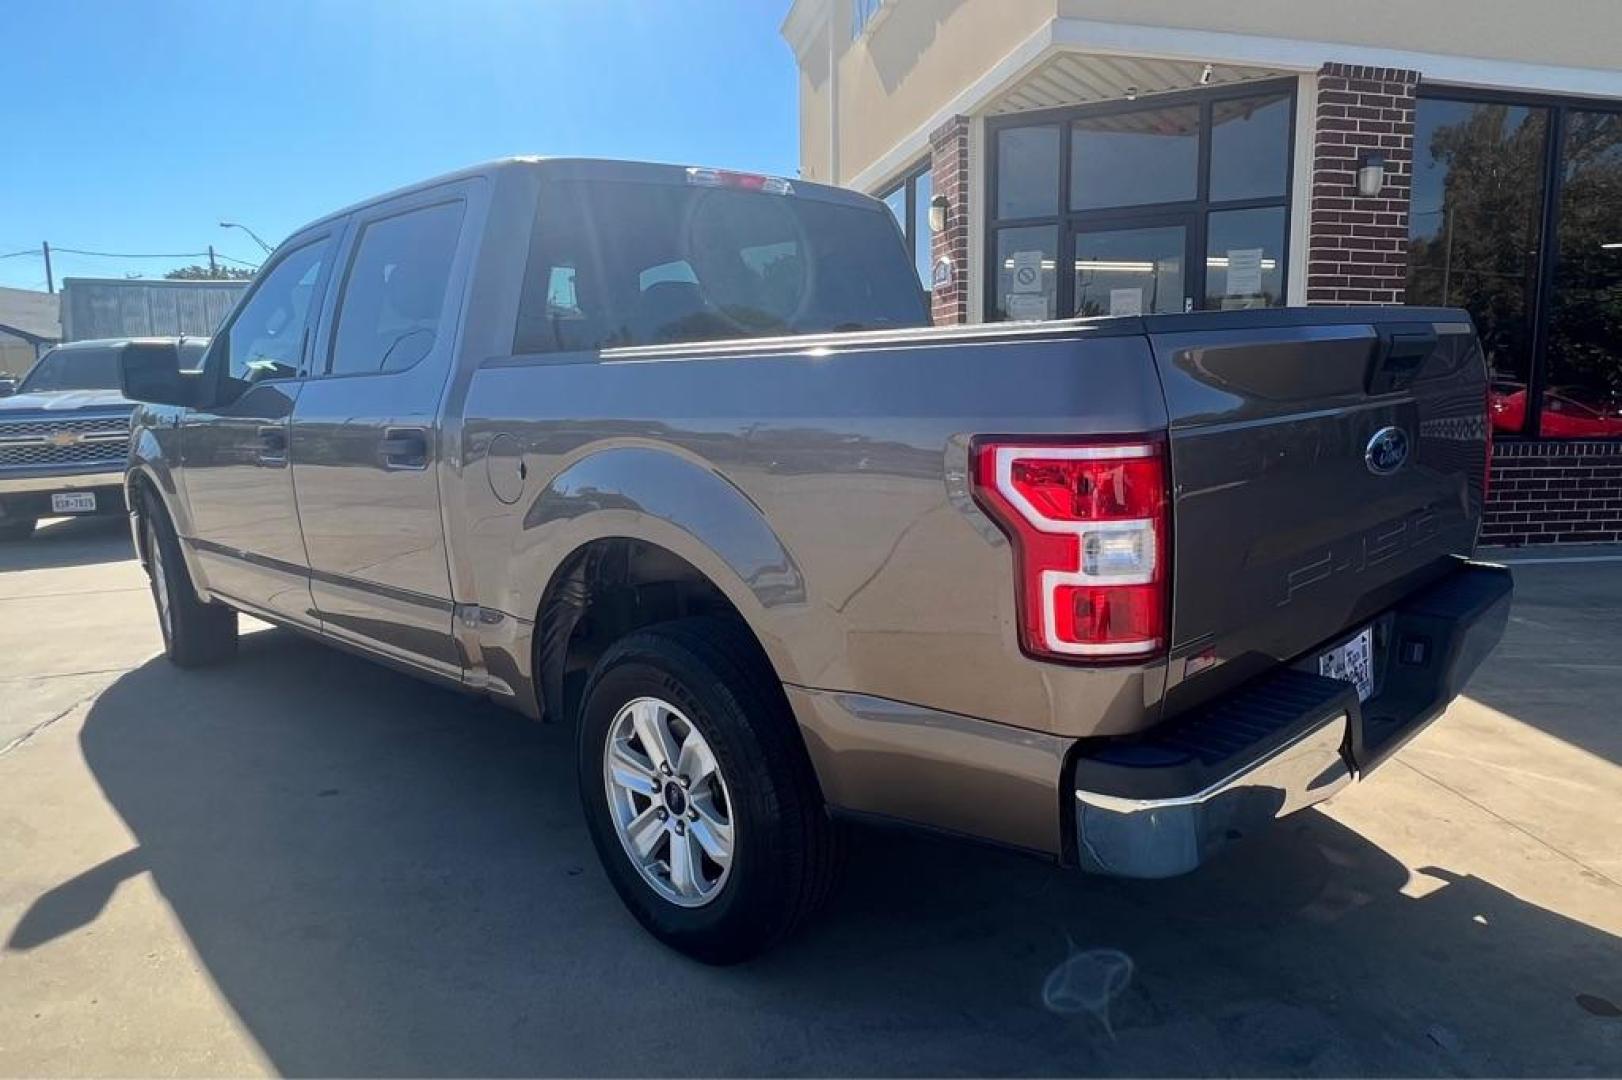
128	254
133	255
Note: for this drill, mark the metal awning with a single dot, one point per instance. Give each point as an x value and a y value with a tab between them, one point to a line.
1082	78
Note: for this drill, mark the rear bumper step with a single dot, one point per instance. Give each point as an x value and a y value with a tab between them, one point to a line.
1164	804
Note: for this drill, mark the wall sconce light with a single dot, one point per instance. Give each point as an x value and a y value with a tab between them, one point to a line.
1370	175
937	213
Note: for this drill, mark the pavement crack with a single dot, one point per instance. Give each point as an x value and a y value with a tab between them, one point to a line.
1523	830
72	592
40	675
43	724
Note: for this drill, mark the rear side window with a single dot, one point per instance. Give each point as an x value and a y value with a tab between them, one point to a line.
391	311
620	263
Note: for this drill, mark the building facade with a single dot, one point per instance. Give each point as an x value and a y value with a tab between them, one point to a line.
30	323
1094	157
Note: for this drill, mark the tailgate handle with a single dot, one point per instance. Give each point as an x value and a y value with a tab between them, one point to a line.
1402	351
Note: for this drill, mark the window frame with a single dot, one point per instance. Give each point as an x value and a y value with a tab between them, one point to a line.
327	348
908	181
1548	254
1193	213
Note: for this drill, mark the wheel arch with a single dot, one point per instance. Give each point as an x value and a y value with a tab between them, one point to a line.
668	517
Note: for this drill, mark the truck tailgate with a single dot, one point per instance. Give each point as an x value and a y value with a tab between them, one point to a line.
1324	463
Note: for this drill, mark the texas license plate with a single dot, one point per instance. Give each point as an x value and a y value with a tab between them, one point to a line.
1352	662
73	502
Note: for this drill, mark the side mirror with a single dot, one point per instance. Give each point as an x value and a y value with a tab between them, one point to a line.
7	387
150	371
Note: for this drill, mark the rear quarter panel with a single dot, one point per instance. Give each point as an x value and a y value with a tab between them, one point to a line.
822	484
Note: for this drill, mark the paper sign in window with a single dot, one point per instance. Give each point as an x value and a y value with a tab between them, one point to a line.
1126	301
1027	272
1025	306
1244	271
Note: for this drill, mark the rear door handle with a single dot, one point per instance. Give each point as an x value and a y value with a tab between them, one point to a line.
404	448
272	445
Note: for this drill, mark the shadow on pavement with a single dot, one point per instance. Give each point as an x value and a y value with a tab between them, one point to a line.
386	878
1564	626
70	542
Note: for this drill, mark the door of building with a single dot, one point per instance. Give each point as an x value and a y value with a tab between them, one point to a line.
1134	266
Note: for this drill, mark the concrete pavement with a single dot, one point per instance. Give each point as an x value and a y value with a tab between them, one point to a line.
303	863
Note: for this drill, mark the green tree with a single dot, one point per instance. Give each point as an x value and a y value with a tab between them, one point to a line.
203	273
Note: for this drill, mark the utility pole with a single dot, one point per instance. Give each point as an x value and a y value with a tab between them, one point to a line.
213	269
50	282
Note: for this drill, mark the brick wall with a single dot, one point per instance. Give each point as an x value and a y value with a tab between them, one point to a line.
1554	492
1357	247
949	173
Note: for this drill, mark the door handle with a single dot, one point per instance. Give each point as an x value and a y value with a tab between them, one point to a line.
404	448
272	446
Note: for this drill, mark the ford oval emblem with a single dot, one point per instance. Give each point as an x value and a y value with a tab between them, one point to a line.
1387	451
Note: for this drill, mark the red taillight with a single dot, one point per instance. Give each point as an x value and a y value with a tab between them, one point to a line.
1088	523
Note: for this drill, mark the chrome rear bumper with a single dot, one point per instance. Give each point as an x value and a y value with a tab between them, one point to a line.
1163	805
1155	838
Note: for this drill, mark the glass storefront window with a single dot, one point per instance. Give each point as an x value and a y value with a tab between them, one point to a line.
1582	395
923	189
897	202
909	202
1027	277
1028	172
1473	230
1135	158
1250	147
1130	271
1244	259
1177	203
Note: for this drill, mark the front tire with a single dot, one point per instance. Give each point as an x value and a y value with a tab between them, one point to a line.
699	795
194	633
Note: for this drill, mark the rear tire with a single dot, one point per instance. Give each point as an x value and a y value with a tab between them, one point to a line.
17	530
751	799
194	633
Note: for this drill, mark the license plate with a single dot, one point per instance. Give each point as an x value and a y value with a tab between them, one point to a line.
1352	662
73	502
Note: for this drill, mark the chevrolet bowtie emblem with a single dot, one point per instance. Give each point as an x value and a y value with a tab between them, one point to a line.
63	438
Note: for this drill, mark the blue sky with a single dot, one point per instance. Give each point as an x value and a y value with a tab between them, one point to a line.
137	127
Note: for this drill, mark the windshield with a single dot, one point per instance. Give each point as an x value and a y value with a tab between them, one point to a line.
73	369
618	263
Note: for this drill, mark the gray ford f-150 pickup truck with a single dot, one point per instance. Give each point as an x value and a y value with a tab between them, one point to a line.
669	455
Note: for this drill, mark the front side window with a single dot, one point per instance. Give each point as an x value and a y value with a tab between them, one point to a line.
266	339
390	313
73	369
620	263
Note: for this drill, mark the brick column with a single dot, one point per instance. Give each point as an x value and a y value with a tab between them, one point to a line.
1357	250
949	175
